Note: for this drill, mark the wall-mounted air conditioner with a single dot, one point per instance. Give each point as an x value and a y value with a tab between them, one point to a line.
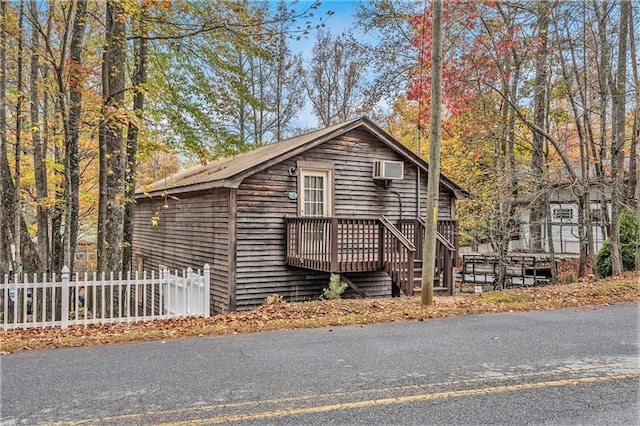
384	169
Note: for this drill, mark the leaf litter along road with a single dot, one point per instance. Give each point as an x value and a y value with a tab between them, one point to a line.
329	313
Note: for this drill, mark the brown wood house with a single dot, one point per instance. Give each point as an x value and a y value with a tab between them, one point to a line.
281	218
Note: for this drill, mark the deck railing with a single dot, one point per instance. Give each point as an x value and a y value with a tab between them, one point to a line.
334	244
349	244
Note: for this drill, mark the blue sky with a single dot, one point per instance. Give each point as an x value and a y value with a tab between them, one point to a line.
342	20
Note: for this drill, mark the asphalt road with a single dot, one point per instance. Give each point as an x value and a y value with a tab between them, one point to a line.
575	366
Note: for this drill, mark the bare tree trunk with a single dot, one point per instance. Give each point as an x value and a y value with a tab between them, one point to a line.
633	190
72	167
583	204
634	169
112	155
552	248
280	71
571	76
505	159
17	233
139	79
57	211
38	153
617	144
101	250
57	233
587	144
45	147
433	181
539	205
600	151
4	176
13	219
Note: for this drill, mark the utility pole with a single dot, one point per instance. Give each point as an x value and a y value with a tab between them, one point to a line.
433	180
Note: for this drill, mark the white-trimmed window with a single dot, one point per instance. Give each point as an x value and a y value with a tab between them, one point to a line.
563	213
316	192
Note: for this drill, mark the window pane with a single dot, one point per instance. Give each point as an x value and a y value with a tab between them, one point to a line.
563	213
313	195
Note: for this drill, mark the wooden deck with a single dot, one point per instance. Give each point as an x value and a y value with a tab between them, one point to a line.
364	244
346	244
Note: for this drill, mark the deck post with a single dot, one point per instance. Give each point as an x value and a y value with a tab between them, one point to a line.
411	273
333	239
381	248
448	269
287	238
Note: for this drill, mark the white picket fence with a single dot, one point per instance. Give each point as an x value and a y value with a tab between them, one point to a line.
50	301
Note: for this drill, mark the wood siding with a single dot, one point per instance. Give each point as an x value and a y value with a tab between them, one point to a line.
357	193
263	200
191	230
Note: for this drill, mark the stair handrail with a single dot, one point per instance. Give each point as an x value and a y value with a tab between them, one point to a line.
396	233
444	241
448	244
398	263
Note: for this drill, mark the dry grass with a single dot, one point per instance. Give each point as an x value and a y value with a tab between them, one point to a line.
286	316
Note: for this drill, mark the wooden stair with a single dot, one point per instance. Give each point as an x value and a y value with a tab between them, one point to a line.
417	280
414	229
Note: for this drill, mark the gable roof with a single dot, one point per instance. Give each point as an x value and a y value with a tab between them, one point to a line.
229	172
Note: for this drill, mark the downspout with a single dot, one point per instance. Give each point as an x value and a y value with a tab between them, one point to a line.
399	201
418	192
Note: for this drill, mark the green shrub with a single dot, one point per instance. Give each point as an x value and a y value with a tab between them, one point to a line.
603	260
336	288
629	228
